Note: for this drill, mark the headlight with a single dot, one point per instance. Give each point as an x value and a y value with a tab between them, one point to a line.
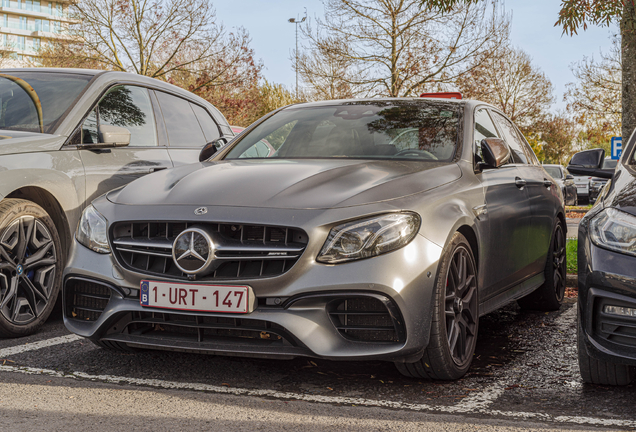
91	231
369	237
615	230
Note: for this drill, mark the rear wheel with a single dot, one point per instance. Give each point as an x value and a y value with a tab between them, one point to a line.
455	318
548	297
30	267
600	372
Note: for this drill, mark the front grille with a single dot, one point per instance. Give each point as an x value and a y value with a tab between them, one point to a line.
206	329
86	300
367	319
245	251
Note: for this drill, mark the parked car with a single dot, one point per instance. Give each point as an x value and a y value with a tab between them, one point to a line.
582	187
337	246
597	183
607	272
565	181
68	136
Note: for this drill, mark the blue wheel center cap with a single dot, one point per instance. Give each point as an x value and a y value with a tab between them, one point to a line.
19	270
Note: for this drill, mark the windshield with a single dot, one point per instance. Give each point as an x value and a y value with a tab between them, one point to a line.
555	172
35	101
394	129
609	163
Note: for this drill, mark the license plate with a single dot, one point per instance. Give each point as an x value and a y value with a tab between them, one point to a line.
197	297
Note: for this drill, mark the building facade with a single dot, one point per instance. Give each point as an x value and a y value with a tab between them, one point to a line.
27	25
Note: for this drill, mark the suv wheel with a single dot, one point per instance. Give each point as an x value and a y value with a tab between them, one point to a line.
455	317
30	267
548	297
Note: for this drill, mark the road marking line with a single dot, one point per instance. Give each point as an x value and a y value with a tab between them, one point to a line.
5	352
486	397
480	400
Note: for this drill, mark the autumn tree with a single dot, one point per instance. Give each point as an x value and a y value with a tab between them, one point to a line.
577	14
178	41
595	97
558	135
396	48
508	80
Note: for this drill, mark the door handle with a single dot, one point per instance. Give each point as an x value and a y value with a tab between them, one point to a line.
520	182
547	183
155	169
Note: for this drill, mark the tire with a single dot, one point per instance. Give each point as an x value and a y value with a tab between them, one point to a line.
455	319
600	372
31	260
549	296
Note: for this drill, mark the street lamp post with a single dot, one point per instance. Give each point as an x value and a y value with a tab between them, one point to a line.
296	21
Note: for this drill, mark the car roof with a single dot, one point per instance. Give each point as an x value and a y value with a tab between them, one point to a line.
119	75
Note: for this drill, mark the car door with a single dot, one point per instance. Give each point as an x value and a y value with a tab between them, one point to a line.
188	127
507	217
105	169
542	195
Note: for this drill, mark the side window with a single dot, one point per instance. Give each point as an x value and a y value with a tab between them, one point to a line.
181	123
209	126
124	106
511	138
484	128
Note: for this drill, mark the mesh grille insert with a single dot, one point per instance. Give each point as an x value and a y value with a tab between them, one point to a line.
86	300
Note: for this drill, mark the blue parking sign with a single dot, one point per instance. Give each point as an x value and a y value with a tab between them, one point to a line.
617	147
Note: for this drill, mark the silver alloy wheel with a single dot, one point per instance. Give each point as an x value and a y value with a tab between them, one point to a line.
27	269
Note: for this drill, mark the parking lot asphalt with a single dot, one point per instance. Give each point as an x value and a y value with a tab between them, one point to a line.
524	375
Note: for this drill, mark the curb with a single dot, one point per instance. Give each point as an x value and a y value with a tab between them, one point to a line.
571	281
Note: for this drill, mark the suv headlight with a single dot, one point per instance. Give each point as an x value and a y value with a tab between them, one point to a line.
615	230
91	231
369	237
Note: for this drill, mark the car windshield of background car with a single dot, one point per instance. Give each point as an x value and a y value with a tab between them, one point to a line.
555	172
609	163
410	130
55	92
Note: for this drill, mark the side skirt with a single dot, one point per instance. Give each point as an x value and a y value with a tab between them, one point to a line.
512	294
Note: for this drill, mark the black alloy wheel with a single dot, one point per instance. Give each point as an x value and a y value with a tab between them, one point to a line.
549	296
30	267
455	319
461	307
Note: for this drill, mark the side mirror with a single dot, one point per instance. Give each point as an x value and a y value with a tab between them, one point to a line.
569	177
115	136
589	163
495	152
211	148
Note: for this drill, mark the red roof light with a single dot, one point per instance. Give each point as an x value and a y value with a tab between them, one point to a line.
443	95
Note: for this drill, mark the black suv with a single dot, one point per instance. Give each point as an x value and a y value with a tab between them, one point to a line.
607	271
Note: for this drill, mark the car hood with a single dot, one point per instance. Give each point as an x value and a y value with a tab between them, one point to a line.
293	184
12	142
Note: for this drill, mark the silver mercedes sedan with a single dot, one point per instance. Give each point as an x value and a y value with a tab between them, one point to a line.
377	229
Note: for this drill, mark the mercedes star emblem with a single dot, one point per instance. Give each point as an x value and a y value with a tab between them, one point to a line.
201	211
193	251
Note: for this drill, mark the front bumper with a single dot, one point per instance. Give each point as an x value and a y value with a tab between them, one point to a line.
606	278
294	319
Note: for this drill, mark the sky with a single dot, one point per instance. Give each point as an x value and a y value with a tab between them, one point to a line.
273	37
